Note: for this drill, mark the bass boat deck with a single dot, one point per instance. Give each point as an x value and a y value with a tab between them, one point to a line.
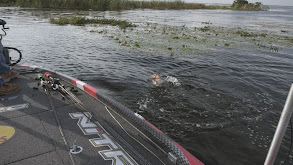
74	123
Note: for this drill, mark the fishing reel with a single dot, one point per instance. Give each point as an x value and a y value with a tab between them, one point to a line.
47	82
11	58
55	84
42	83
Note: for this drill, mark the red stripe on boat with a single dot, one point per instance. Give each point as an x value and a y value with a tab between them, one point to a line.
191	159
154	127
74	81
90	90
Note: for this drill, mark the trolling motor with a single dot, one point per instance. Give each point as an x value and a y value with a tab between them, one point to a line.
6	53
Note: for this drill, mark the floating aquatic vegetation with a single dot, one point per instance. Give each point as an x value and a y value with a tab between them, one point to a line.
247	34
208	23
274	48
204	29
64	20
178	40
290	39
136	44
76	20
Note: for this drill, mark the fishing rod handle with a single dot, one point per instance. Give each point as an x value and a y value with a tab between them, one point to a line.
48	75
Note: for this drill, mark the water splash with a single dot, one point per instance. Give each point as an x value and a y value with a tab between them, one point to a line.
172	80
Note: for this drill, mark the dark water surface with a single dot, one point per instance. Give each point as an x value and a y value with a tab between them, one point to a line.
229	101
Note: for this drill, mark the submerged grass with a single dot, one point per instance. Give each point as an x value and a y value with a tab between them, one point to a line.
82	21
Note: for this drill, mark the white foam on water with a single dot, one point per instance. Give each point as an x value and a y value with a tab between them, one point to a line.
172	80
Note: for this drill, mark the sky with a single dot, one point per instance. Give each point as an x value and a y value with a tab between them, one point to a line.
265	2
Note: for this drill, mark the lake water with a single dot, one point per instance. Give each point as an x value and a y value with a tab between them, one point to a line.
229	102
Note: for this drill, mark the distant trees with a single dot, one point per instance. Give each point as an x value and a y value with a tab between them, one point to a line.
127	4
7	2
107	4
258	4
241	2
245	5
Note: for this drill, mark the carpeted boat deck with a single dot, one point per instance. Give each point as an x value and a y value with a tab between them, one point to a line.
39	127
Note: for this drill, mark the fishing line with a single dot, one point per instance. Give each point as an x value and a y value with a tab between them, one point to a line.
134	137
80	105
50	139
74	99
290	143
137	129
58	122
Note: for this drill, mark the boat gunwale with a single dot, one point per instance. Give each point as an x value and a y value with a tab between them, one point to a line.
184	156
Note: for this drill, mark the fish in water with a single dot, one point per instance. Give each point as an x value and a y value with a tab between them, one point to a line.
157	80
